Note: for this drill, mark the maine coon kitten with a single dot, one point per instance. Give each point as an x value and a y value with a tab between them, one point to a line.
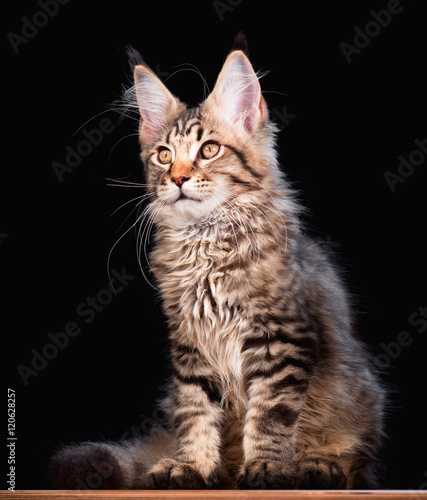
270	388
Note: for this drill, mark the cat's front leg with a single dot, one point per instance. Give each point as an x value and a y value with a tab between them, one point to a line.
278	379
196	419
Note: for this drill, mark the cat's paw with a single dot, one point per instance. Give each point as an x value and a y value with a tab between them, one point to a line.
85	466
266	474
168	474
319	473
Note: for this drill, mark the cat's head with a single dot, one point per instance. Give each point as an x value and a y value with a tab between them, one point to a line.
198	161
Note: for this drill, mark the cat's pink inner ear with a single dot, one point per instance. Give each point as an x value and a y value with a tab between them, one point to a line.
155	103
237	93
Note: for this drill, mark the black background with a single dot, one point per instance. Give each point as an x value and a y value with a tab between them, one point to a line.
346	123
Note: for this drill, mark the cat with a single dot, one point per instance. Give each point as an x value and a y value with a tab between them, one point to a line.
270	386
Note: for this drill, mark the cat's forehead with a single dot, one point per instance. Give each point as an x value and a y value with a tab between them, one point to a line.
194	126
186	124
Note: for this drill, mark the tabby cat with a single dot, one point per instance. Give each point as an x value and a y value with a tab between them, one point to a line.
269	388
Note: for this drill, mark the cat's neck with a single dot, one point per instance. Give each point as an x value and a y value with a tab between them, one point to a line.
226	238
251	221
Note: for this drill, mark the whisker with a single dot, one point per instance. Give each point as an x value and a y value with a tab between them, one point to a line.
141	216
273	197
90	119
141	199
145	228
114	246
135	134
123	183
196	70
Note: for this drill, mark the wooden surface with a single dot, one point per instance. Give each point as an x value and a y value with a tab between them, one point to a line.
215	495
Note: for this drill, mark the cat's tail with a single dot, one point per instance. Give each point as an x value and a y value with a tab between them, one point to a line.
110	465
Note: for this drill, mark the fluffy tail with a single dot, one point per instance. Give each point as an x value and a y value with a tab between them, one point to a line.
109	465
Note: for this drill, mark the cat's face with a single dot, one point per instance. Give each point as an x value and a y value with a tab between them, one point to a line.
199	159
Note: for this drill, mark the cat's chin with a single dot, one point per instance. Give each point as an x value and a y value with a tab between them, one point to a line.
187	211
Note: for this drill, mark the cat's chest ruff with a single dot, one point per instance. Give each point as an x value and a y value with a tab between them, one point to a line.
200	284
194	275
196	293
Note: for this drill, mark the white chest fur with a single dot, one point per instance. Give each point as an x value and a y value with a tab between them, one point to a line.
196	287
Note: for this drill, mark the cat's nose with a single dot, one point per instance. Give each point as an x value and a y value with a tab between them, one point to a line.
179	181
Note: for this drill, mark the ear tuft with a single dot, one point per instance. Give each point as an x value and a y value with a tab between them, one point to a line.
241	43
134	57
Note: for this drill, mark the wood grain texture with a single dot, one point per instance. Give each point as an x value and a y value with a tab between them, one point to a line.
215	495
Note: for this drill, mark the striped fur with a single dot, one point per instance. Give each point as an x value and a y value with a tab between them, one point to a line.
269	386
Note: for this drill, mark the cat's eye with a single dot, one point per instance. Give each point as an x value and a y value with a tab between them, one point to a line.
164	156
209	150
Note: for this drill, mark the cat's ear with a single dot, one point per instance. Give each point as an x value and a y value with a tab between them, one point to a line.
157	106
236	97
